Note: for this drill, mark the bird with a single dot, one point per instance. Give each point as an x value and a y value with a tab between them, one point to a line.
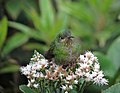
64	50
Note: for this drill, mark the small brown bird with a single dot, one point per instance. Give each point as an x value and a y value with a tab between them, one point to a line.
64	50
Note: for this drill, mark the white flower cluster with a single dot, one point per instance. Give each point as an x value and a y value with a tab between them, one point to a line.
86	67
89	69
33	70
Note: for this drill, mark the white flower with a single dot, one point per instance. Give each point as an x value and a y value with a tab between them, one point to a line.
70	86
69	77
61	74
37	53
66	81
94	74
89	77
38	67
100	80
89	54
32	59
86	60
104	81
29	83
96	67
94	59
41	75
66	91
43	62
78	72
35	58
76	81
100	74
36	75
64	87
86	67
90	62
35	85
33	71
82	58
38	59
32	80
26	70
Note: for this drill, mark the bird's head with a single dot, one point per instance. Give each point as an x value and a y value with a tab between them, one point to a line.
65	37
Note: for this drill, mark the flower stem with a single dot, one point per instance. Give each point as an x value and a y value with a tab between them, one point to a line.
82	87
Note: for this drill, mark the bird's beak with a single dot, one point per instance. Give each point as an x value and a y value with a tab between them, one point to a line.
70	37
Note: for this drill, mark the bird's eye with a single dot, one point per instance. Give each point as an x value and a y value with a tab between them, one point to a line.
61	38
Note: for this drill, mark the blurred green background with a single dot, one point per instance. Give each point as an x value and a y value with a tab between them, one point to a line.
27	25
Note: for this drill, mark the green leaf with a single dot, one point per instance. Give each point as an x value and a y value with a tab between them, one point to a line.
14	41
35	17
114	53
81	29
47	13
102	37
106	64
106	5
27	30
14	8
3	31
73	91
113	89
99	5
26	89
116	5
60	24
76	10
8	67
33	46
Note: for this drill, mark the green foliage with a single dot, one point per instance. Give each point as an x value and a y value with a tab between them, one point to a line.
14	8
113	53
113	89
8	67
3	31
46	24
26	30
93	21
14	41
106	64
26	89
48	13
92	17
